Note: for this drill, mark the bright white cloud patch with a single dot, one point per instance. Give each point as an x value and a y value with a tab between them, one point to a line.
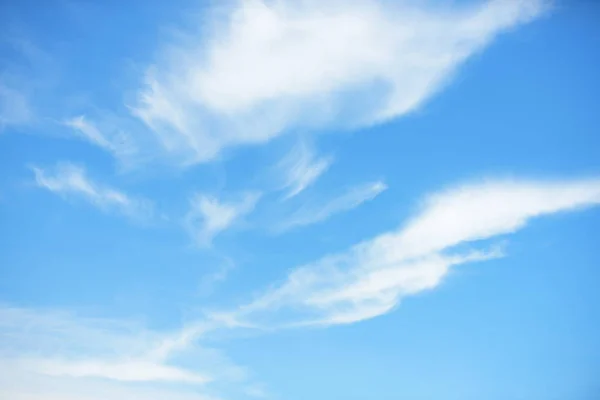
72	181
208	216
261	68
313	213
372	277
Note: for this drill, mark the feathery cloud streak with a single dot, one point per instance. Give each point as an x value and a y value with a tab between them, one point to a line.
45	354
118	143
372	277
72	181
301	168
310	214
208	216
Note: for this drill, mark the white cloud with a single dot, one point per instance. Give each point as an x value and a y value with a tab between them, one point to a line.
57	344
121	370
310	214
46	354
208	216
20	385
301	168
118	143
261	68
372	277
70	180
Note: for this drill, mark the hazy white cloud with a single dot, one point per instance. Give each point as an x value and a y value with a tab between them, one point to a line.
89	132
209	216
72	181
14	107
26	74
372	277
16	384
45	354
301	168
256	391
121	370
312	213
258	68
57	344
117	143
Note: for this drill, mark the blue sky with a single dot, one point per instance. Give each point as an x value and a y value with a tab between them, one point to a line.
299	200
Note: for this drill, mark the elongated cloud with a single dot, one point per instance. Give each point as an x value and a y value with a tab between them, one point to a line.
208	216
72	181
89	132
372	277
46	354
118	143
61	345
301	168
313	213
260	68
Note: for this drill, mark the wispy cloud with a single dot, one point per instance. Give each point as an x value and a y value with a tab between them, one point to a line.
209	216
100	348
45	354
123	370
70	180
301	168
62	353
372	277
119	144
19	78
311	213
16	384
27	74
14	107
258	69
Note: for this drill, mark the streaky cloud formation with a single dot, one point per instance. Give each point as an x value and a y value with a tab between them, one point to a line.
372	277
368	280
309	214
100	348
208	216
70	180
89	131
258	69
118	143
45	354
18	385
301	168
